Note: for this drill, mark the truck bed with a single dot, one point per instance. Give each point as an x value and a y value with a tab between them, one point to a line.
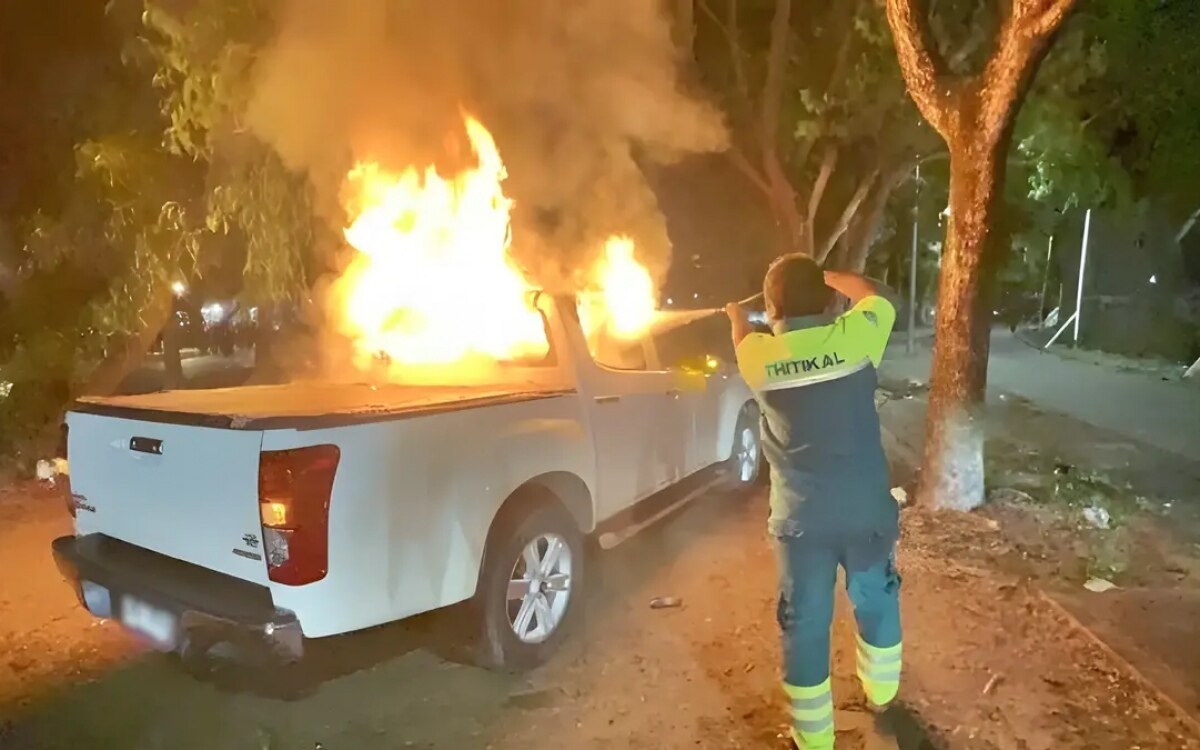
305	405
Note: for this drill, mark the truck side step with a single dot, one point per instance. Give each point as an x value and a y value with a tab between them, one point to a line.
658	506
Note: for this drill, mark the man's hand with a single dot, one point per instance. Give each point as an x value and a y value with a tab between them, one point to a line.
850	285
739	321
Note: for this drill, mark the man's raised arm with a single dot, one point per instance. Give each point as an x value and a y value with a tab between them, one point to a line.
852	286
739	321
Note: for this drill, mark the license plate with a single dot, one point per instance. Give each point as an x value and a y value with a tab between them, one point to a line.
156	624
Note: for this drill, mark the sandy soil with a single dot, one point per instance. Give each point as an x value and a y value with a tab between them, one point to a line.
1045	472
990	662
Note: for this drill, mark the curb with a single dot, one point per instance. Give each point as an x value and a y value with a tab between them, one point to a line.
1185	717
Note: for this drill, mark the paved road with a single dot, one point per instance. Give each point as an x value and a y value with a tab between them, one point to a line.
1141	406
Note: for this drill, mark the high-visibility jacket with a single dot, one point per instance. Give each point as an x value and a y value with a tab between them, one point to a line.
815	381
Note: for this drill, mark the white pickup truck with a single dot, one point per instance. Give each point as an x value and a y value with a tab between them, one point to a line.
267	515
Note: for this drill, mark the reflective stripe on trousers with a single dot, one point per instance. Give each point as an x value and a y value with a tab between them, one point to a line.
879	671
812	715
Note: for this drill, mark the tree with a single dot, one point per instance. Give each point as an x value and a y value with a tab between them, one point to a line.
974	113
148	180
823	129
186	193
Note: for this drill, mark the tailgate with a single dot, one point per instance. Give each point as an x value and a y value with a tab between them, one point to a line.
184	491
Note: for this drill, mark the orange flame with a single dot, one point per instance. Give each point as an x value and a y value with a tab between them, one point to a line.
622	304
432	283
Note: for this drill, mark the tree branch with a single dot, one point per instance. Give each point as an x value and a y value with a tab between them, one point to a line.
1024	36
847	215
686	24
1041	18
920	64
748	171
866	220
828	164
736	52
772	95
842	61
730	30
975	40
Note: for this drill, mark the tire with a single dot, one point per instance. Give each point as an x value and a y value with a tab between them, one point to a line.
543	614
746	459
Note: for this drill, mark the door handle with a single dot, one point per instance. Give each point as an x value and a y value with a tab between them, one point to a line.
146	445
607	399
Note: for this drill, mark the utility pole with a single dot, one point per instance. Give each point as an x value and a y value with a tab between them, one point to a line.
912	273
1087	231
1045	285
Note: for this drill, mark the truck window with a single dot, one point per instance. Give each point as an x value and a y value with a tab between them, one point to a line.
693	343
618	355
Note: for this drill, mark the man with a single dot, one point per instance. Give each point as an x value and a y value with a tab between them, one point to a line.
814	379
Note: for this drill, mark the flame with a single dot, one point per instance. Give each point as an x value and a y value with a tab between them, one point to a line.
432	282
625	289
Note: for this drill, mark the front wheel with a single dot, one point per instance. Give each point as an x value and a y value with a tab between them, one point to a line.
746	462
529	592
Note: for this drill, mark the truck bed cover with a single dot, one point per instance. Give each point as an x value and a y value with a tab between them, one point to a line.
305	405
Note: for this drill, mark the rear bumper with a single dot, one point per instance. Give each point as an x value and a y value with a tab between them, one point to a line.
177	605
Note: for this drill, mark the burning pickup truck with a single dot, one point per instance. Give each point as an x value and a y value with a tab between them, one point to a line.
273	514
505	427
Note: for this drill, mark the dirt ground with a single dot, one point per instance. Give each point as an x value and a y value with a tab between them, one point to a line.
990	661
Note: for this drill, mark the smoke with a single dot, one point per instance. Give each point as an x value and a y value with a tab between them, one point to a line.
573	91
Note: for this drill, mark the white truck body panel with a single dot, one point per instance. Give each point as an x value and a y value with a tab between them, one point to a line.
417	486
194	502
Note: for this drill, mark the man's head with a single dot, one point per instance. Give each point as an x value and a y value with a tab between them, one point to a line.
795	287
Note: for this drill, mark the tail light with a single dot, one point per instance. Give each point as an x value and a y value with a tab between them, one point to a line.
63	480
294	488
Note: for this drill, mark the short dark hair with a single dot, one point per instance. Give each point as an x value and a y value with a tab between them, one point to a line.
795	286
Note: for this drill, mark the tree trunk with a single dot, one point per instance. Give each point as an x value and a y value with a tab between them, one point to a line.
860	233
172	362
685	28
974	114
952	472
783	205
110	373
783	196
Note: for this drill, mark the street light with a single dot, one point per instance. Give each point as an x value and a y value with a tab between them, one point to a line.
179	288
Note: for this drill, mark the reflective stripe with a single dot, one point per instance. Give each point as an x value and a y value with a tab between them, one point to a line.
879	671
881	694
878	661
817	701
796	692
878	652
815	726
812	714
874	668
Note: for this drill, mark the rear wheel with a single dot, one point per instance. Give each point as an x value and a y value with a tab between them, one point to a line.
746	462
530	589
